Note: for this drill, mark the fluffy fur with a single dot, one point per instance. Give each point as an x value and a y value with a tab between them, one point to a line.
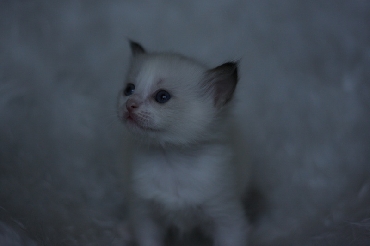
302	104
182	170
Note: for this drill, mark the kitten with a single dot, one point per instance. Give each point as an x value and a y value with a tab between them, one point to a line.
182	173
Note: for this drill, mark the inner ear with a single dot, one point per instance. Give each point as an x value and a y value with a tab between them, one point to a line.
222	81
136	48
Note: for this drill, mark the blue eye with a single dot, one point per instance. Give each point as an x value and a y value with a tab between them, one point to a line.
162	96
130	88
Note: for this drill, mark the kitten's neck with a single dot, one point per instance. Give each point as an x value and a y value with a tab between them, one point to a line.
216	139
217	133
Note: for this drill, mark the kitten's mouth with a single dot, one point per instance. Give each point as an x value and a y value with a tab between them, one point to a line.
133	121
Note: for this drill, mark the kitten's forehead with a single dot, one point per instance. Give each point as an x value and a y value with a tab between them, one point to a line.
166	71
148	77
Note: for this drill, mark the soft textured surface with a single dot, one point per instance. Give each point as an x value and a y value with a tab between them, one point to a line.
303	102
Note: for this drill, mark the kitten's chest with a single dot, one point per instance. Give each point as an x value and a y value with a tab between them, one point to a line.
177	180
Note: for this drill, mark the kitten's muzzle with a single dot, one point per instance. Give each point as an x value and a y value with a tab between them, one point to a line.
132	104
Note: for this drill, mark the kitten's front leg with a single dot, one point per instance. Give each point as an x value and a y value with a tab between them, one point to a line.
147	231
230	226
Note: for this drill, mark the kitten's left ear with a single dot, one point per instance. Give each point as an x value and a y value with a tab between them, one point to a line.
136	48
222	81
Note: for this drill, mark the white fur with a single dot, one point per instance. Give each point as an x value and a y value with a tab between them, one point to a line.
302	105
182	170
186	116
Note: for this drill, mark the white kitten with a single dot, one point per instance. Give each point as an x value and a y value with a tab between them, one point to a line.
182	172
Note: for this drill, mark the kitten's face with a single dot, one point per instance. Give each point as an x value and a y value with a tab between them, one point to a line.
164	99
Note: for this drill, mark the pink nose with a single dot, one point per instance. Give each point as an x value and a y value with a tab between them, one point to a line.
132	104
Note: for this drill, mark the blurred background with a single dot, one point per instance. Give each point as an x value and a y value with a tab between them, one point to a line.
303	103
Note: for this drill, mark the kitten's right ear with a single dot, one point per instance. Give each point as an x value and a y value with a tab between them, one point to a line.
136	48
222	81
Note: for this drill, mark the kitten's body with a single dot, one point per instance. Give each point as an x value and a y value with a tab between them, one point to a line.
182	172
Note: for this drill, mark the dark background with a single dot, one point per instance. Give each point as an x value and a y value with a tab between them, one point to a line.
303	102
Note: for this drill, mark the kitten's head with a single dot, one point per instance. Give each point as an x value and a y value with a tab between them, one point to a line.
171	99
